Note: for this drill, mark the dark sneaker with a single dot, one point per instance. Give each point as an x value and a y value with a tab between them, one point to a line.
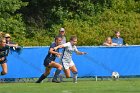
55	80
38	81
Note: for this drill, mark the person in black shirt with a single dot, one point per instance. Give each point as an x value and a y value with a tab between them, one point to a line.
13	46
4	50
49	61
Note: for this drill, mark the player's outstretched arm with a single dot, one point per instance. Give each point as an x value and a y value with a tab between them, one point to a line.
80	53
59	46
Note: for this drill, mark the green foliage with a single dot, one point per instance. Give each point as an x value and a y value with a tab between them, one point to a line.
91	20
11	6
10	21
119	15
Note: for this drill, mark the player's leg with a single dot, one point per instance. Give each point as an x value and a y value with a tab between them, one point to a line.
4	68
57	72
47	63
75	73
66	69
45	74
67	73
55	65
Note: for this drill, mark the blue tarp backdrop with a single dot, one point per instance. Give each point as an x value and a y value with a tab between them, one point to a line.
100	61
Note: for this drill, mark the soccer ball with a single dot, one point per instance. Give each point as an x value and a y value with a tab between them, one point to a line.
115	75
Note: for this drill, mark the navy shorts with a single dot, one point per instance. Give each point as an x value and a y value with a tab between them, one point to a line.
47	62
4	61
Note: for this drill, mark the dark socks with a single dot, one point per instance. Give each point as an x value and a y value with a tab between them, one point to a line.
41	78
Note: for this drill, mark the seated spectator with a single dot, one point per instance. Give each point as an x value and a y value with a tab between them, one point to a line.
12	45
118	39
108	42
9	42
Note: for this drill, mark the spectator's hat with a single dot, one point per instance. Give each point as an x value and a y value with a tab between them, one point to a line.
7	35
62	29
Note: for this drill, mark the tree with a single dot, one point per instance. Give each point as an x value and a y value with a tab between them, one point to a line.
10	20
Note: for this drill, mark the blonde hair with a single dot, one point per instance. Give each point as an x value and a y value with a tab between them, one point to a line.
108	39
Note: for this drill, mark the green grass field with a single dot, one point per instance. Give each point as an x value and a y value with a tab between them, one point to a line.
83	86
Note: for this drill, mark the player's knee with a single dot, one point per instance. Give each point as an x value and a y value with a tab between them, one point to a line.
60	67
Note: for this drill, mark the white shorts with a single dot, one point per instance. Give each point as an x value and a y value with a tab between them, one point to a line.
67	65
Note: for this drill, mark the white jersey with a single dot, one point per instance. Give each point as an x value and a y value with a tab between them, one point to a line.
68	50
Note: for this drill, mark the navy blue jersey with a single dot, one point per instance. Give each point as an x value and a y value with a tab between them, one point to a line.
50	56
4	51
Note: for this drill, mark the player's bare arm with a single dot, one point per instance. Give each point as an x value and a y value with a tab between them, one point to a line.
54	52
59	46
80	53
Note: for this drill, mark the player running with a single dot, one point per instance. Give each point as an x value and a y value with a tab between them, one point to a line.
49	61
67	61
4	50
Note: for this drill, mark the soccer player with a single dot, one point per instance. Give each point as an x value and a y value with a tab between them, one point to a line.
4	50
62	35
49	61
67	61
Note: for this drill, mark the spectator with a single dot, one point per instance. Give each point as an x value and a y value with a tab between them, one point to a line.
9	42
62	35
118	39
12	45
108	42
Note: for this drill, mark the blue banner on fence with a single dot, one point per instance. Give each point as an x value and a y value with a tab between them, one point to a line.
100	61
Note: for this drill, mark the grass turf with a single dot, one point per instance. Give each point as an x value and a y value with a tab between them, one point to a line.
83	86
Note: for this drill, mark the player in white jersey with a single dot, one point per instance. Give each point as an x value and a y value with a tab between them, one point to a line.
67	61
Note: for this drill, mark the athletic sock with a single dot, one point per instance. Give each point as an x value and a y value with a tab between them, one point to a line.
75	77
41	78
57	72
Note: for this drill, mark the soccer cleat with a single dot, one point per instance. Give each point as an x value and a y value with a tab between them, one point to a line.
37	82
55	80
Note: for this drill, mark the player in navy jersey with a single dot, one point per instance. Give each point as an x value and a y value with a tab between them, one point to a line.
49	61
63	36
4	50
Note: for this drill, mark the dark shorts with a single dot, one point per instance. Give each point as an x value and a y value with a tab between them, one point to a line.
47	62
2	62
